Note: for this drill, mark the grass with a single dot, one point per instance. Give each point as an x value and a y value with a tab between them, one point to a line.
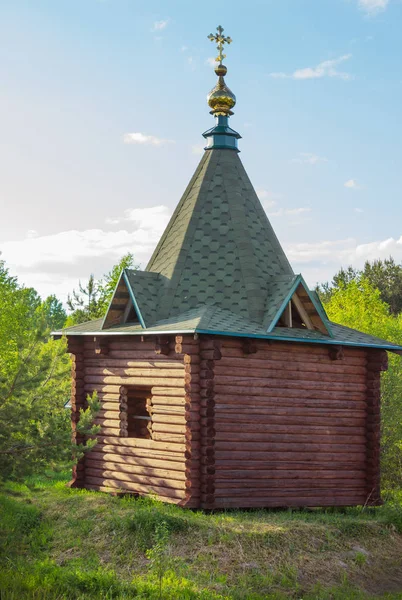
58	543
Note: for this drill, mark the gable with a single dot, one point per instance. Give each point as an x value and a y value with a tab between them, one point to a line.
300	309
123	307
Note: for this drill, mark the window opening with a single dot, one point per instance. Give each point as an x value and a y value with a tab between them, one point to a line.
139	420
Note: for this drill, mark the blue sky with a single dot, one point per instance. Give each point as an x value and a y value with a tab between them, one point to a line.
319	107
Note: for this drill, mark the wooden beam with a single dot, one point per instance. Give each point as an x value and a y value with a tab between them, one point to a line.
302	312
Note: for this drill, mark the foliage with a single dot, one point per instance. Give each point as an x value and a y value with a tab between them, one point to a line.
384	275
159	555
34	382
57	542
357	304
92	300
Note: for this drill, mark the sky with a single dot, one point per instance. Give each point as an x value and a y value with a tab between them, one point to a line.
103	105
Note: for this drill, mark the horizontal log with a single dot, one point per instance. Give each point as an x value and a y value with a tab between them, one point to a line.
140	453
105	380
305	409
260	460
253	422
247	392
279	442
169	401
296	358
191	439
290	348
311	434
175	419
136	372
134	343
140	461
293	371
289	380
175	392
141	355
248	478
148	471
171	428
134	487
141	443
143	480
163	363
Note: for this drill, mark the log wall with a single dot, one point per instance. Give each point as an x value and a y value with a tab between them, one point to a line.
235	422
167	465
293	425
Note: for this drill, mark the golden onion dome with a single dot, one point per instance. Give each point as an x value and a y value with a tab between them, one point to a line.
221	99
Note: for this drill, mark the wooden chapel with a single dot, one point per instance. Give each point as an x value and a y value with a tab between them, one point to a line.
221	379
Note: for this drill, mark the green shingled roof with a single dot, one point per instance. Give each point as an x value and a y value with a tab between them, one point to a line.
218	269
217	321
219	247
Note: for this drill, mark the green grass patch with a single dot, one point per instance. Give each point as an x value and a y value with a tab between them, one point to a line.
57	542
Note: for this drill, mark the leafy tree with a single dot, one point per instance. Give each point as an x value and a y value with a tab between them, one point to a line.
35	430
54	313
384	275
387	277
358	304
92	300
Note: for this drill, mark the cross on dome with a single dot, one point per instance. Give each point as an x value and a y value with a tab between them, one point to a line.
220	40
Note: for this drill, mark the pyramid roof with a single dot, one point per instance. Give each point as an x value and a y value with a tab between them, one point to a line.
219	267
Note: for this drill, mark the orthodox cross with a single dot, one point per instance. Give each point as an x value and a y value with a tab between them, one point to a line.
220	40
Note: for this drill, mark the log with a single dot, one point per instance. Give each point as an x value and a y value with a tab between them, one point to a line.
175	392
282	357
279	442
289	434
149	461
148	471
280	392
254	368
306	409
143	480
141	443
288	381
258	460
106	380
233	421
146	453
169	401
136	372
229	344
116	483
246	478
294	398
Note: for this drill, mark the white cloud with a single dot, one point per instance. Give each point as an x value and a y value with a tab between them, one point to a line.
326	68
307	158
141	138
183	48
160	25
54	263
333	254
268	199
211	62
352	184
359	210
372	7
290	212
